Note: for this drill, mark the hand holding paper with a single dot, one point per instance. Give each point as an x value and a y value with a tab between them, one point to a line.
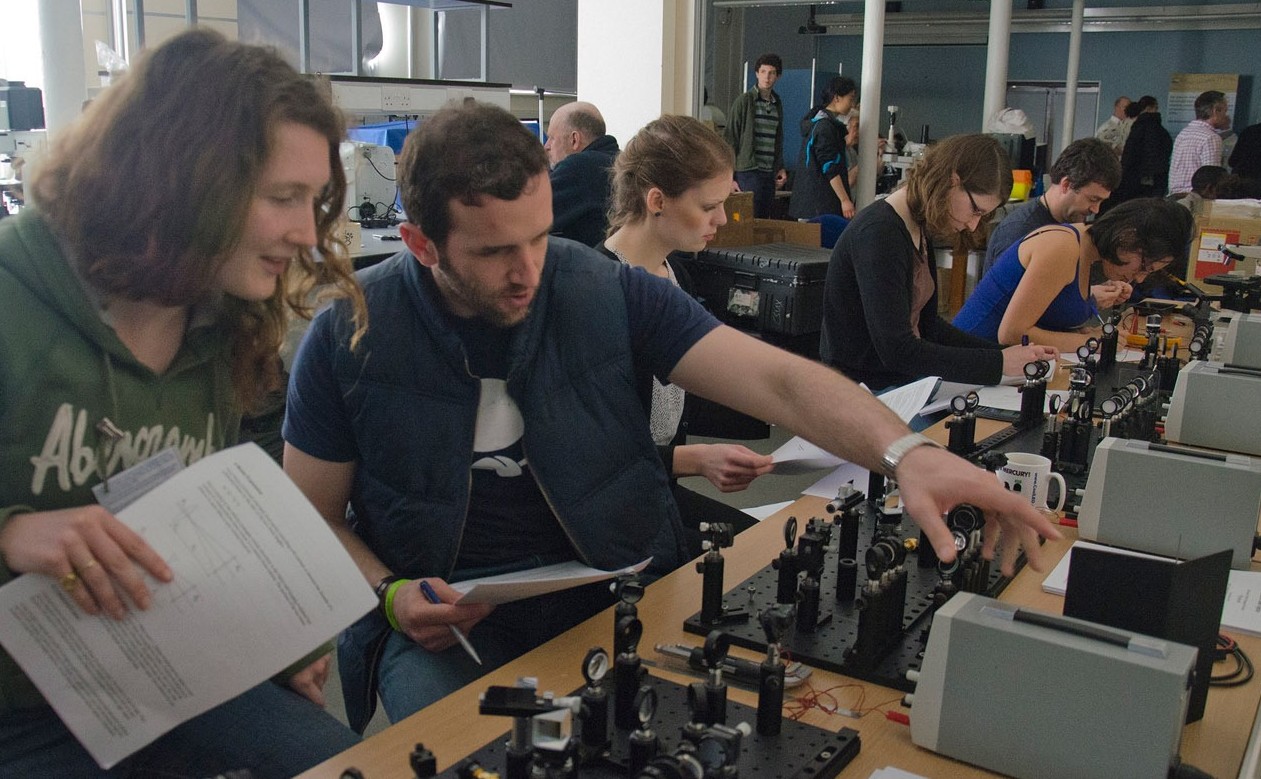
255	573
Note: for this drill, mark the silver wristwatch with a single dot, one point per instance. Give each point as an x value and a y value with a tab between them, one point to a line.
898	449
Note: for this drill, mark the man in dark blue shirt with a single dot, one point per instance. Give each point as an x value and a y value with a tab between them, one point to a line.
490	417
580	152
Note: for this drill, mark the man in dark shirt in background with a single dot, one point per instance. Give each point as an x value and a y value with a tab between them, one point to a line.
1081	179
580	153
1145	159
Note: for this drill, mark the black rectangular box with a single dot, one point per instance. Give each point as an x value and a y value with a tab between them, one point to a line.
21	107
774	288
1177	600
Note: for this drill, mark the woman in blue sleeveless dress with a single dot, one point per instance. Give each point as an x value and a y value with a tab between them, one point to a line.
1039	288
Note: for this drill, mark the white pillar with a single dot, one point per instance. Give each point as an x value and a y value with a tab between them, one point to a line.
873	109
1070	77
996	60
636	60
65	80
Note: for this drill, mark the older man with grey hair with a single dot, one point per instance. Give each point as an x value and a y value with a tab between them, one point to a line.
580	153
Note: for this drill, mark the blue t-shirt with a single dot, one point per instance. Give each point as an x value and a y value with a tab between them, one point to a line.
508	518
982	314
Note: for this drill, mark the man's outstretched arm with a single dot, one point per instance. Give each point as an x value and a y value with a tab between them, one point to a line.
836	414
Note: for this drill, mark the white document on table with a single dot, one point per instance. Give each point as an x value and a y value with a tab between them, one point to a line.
889	772
1241	611
509	587
1008	398
849	473
907	400
260	582
800	456
762	512
946	392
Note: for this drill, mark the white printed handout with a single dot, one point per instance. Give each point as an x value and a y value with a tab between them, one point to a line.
260	581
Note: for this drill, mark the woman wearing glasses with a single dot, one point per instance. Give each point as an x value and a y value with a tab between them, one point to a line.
1038	288
880	321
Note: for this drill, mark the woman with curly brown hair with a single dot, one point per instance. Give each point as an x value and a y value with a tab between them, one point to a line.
173	230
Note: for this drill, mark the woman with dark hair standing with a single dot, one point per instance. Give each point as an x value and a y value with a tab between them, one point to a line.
880	320
822	182
1039	286
669	185
172	232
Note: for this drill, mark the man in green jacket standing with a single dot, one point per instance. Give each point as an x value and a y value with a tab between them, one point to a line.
755	129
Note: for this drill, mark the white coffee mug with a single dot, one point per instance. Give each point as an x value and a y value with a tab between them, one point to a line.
1030	474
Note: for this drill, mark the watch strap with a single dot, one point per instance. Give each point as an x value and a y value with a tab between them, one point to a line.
383	586
898	449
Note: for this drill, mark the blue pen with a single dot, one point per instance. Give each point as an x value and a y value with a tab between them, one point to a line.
432	597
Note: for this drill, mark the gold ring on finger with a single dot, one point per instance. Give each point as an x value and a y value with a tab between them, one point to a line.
69	582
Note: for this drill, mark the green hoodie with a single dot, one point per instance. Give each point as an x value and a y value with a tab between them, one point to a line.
64	369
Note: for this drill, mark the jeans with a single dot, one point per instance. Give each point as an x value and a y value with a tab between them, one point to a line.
269	730
412	677
762	184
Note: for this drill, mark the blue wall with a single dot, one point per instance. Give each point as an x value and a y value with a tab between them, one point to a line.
943	86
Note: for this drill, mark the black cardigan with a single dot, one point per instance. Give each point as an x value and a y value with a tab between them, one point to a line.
867	312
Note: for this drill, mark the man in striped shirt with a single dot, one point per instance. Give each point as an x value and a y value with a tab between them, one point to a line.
1199	143
755	129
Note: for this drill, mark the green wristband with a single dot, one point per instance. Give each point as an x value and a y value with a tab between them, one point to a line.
388	608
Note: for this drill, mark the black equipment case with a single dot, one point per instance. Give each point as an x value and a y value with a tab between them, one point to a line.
773	288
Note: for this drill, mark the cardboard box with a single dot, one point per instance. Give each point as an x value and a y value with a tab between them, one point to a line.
739	228
782	231
742	229
1223	222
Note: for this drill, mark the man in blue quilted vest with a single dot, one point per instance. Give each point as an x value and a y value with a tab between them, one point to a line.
492	418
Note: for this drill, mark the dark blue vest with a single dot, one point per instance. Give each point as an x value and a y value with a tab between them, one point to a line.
414	406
